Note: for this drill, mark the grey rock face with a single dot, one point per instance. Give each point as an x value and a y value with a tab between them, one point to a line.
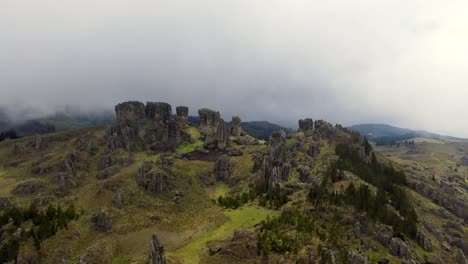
275	166
306	125
236	126
384	236
182	114
222	168
102	220
461	259
155	180
30	187
209	117
355	258
399	248
40	142
222	135
158	111
424	241
156	251
127	113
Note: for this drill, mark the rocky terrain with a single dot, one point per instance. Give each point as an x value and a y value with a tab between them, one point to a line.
155	188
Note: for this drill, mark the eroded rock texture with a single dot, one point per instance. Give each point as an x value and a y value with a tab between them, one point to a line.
236	126
306	124
275	165
156	251
222	168
182	114
209	117
102	220
156	179
222	135
158	111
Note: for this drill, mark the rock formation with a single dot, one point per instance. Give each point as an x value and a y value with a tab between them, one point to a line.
209	117
156	180
182	114
424	241
222	168
399	248
102	220
355	258
222	135
236	126
156	251
158	111
275	165
306	125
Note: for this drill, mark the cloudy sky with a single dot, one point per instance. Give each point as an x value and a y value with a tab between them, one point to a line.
402	62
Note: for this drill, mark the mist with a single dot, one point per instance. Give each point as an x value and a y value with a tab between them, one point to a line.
398	62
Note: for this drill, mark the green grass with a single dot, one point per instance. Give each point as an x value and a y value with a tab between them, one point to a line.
188	147
219	189
2	171
238	219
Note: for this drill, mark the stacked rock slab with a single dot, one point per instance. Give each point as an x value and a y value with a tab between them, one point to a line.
156	179
236	126
306	124
275	166
214	129
182	114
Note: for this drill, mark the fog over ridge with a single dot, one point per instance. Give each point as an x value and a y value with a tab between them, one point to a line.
398	62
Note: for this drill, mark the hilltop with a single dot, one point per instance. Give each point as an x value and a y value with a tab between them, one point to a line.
155	187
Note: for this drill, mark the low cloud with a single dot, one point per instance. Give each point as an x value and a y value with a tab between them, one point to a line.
400	62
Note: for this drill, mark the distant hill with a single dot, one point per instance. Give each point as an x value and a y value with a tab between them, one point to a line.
261	129
383	133
258	129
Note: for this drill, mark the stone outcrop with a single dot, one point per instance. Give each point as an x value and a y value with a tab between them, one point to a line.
156	179
69	167
306	125
222	135
30	187
40	142
158	111
222	168
182	114
399	248
313	150
102	220
460	257
209	117
156	251
275	166
356	258
424	241
236	126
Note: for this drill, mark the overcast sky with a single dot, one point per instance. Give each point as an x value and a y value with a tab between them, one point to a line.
402	62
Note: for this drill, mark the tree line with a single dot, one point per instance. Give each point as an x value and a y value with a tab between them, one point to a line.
44	225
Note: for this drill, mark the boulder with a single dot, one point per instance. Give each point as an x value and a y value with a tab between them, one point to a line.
222	168
30	187
107	173
156	251
356	258
424	241
182	114
209	117
102	220
40	142
399	248
236	126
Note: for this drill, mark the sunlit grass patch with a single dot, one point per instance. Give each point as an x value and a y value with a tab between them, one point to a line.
245	217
